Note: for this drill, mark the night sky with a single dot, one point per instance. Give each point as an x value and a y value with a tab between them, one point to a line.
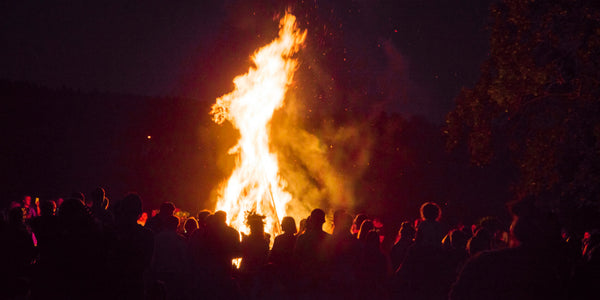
182	48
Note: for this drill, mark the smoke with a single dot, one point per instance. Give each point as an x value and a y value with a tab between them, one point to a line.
322	167
323	135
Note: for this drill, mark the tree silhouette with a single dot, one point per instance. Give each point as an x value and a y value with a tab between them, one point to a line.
538	99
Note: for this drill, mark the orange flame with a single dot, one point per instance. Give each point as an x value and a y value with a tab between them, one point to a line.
255	184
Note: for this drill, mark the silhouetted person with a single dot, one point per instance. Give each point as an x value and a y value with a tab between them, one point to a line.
222	245
283	245
530	270
372	268
132	250
365	227
301	226
199	253
202	215
189	227
255	246
457	248
344	247
82	255
156	223
282	253
586	271
430	231
16	255
45	227
400	249
98	205
255	254
479	242
30	209
343	258
310	253
171	262
498	234
223	242
196	240
426	272
358	220
198	244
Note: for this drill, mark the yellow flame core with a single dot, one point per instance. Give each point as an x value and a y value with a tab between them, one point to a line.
255	184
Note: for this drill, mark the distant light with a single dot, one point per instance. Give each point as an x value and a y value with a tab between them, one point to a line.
149	137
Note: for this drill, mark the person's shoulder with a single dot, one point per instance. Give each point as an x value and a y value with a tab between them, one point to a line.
144	231
232	232
301	237
198	234
489	258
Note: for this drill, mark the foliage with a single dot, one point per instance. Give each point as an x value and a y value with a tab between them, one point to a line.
538	98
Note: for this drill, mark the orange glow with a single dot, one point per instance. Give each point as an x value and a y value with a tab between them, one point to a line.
143	218
149	137
255	184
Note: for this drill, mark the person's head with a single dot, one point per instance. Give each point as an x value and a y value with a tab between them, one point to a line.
481	241
316	219
430	211
220	217
337	214
171	223
531	225
288	225
167	208
342	223
130	208
256	223
367	225
47	208
202	215
407	231
458	239
27	201
96	197
190	225
302	225
74	213
358	220
491	223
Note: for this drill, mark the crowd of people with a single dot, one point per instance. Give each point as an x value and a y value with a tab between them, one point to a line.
87	247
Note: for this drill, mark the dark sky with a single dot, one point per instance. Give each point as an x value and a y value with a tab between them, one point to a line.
180	48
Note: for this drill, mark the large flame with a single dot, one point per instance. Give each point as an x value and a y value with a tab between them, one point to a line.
255	184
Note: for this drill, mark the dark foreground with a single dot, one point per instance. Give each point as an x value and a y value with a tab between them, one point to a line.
88	248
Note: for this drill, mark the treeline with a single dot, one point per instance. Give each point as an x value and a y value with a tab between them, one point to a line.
168	149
